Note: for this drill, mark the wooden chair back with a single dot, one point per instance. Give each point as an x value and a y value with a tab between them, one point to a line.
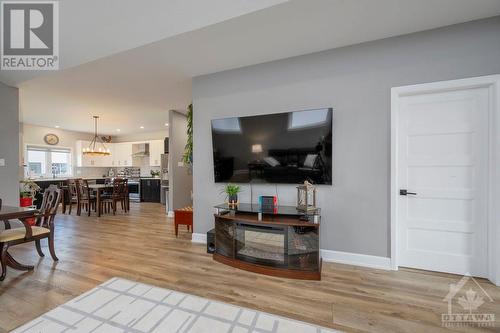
125	188
84	189
73	188
48	209
118	187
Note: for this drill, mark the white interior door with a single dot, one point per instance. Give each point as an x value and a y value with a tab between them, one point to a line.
443	158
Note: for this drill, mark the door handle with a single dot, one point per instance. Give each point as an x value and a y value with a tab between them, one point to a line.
405	192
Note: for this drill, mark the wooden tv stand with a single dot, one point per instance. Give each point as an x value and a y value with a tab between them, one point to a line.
282	242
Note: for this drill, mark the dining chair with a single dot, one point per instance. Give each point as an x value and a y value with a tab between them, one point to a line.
117	195
43	228
74	195
87	199
126	196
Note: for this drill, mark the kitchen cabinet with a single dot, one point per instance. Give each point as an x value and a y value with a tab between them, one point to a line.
107	161
155	150
150	190
122	156
84	160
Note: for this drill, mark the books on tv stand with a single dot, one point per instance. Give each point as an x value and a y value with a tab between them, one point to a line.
279	242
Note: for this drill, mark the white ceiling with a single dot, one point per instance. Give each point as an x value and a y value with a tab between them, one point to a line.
136	87
92	29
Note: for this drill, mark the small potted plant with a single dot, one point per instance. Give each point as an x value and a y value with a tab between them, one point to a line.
27	195
155	173
231	192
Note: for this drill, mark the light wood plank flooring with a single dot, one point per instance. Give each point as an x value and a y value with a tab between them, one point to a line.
141	246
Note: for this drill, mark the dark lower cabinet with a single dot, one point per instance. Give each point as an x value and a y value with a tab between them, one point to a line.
150	190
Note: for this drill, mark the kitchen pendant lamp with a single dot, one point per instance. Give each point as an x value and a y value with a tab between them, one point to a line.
96	146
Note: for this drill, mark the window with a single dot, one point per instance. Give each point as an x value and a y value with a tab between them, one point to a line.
46	161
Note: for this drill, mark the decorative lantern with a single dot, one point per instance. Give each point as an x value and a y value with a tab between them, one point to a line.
306	197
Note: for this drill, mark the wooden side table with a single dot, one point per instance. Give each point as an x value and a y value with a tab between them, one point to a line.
183	216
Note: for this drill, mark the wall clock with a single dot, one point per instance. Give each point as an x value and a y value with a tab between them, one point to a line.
51	139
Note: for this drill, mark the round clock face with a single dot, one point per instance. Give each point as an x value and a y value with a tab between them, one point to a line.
51	139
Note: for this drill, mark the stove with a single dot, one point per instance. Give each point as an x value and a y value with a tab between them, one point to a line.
134	189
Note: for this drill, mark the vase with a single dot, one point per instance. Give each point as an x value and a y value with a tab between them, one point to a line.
233	199
25	202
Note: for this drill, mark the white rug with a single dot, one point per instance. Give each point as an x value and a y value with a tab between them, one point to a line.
120	305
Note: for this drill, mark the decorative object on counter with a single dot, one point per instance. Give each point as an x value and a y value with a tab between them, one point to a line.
155	173
51	139
306	197
231	191
96	146
268	203
187	158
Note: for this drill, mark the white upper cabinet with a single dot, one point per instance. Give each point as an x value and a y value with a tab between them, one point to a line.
155	150
123	154
83	160
107	161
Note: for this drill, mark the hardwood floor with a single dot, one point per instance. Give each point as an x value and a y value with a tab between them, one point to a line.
141	246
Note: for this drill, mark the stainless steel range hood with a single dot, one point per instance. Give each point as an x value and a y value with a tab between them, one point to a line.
140	149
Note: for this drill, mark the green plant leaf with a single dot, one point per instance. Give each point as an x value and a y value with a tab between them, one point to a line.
187	158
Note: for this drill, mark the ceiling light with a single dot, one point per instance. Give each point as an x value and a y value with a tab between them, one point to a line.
96	146
166	124
57	126
142	127
118	130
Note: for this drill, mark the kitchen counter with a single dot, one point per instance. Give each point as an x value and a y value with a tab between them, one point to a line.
64	179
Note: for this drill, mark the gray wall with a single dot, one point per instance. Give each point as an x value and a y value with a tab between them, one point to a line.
180	180
355	81
9	144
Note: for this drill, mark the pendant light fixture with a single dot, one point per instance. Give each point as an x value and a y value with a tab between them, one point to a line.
96	146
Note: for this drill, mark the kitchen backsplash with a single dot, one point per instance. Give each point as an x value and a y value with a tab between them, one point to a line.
143	162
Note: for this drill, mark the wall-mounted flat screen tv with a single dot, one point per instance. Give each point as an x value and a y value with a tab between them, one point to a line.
275	148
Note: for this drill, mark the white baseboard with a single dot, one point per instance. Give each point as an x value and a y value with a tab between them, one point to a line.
199	238
356	259
348	258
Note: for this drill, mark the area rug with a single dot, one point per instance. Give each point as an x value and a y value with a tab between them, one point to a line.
120	305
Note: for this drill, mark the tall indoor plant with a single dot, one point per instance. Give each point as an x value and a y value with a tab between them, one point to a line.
187	158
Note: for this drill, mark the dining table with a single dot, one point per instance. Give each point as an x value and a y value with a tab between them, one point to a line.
8	213
99	189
